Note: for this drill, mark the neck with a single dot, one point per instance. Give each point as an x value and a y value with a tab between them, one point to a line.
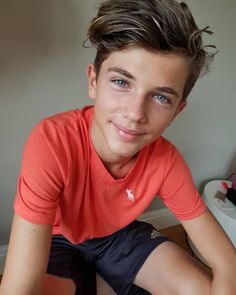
120	168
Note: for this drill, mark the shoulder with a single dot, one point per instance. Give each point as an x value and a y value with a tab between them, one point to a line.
163	149
62	129
69	120
165	156
59	135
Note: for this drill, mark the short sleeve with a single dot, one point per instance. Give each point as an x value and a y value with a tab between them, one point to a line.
178	191
42	175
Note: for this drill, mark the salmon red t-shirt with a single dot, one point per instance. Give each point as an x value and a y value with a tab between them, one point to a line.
63	181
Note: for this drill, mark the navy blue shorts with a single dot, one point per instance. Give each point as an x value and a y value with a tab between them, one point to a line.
117	258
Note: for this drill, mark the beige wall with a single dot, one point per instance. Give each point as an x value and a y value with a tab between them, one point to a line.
43	71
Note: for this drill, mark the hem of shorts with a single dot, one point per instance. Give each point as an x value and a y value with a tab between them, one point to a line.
139	264
60	274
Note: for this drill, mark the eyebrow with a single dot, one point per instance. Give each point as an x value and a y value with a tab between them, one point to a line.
127	74
122	71
168	90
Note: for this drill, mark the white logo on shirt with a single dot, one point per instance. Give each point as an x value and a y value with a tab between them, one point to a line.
130	195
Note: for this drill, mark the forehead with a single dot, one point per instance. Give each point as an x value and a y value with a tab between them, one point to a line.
149	68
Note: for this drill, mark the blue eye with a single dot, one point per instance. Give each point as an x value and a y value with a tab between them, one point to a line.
120	83
161	98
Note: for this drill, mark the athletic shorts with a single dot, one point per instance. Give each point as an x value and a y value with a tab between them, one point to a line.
117	258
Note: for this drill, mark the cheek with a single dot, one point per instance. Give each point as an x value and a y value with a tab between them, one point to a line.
160	120
107	99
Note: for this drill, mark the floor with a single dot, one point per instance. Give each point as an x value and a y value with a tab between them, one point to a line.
176	233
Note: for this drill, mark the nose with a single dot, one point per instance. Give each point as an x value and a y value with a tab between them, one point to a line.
135	109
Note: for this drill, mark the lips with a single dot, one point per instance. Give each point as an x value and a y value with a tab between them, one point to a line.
127	134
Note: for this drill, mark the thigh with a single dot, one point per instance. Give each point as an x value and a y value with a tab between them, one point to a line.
120	256
171	270
54	285
103	288
68	267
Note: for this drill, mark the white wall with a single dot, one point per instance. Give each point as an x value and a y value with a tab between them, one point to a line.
205	132
43	71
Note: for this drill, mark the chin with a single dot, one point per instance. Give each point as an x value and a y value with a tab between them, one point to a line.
124	150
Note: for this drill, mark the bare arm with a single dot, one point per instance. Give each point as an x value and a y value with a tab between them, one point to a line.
27	258
214	245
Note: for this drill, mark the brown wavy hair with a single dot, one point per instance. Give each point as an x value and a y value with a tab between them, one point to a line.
155	25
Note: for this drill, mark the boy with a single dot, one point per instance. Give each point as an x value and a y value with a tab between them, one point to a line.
88	174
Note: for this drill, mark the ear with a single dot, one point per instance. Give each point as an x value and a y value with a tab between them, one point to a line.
92	81
180	108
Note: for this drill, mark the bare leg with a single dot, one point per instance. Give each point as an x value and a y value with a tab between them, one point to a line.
103	288
169	270
54	285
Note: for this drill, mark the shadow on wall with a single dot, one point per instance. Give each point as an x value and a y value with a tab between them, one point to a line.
226	174
4	221
232	164
31	30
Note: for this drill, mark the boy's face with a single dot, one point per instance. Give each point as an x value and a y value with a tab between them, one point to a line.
137	95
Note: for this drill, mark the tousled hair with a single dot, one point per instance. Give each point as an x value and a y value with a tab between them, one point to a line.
155	25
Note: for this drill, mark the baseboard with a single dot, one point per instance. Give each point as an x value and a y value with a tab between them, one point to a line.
3	254
160	218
